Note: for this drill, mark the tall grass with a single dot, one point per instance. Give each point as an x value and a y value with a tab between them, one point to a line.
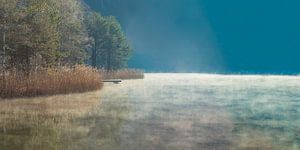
49	81
123	74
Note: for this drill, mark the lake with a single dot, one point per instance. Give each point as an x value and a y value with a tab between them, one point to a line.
179	111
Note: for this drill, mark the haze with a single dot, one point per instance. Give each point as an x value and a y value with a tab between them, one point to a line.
210	35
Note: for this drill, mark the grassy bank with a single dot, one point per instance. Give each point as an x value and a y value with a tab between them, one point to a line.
49	81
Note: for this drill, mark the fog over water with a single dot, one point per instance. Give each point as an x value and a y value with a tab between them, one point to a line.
202	111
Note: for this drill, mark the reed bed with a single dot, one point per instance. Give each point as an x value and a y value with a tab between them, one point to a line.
49	81
123	74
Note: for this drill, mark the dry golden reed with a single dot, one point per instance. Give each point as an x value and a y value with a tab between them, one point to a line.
50	81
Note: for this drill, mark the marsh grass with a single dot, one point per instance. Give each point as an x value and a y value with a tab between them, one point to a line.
49	81
123	74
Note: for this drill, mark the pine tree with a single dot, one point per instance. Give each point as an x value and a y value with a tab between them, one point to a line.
72	31
110	50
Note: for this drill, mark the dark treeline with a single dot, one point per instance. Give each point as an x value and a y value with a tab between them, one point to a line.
43	33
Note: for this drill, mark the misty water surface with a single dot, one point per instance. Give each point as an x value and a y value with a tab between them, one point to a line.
186	111
193	111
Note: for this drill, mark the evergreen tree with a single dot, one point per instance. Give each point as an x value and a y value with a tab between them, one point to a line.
110	50
72	31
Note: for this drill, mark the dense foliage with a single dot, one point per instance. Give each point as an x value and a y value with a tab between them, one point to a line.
110	48
43	33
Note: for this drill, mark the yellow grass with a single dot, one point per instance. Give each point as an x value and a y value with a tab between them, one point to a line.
50	81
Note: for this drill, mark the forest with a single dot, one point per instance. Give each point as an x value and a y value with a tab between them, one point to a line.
41	33
61	36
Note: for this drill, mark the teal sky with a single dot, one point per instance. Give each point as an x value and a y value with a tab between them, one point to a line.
232	36
257	35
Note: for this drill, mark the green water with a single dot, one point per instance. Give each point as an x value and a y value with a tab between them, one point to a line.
178	111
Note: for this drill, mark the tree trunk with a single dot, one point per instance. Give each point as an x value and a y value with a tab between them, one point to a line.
94	55
109	61
4	55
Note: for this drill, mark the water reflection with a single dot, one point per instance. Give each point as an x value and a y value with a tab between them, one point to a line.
105	125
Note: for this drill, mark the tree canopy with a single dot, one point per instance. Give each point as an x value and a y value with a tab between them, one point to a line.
40	33
110	48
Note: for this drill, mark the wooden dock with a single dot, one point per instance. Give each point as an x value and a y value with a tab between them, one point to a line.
115	81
